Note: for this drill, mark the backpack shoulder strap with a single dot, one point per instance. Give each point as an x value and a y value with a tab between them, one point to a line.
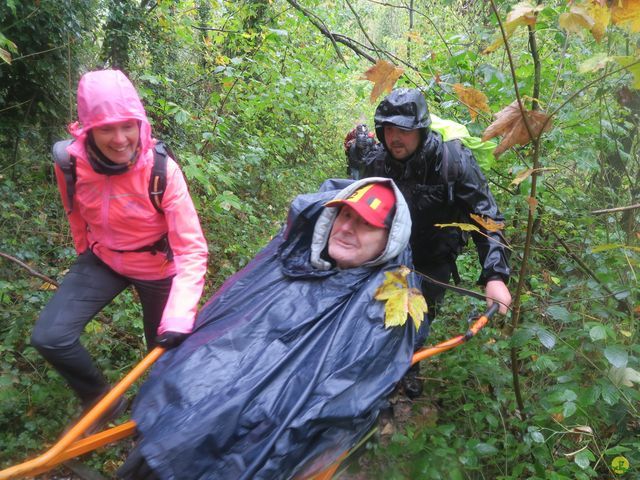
67	164
158	178
449	170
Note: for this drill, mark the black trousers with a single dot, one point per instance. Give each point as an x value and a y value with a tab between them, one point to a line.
433	294
89	286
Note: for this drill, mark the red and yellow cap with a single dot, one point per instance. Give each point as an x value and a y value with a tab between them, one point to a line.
374	202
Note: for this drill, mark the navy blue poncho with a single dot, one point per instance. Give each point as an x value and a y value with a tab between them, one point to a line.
290	362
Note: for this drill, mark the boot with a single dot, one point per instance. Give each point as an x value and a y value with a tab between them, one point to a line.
412	383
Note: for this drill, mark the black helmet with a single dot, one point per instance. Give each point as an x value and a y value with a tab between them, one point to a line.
404	108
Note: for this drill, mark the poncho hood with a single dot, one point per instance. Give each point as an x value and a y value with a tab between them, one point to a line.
399	232
107	96
288	367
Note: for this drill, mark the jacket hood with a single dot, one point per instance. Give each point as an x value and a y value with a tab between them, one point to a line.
399	232
404	108
107	96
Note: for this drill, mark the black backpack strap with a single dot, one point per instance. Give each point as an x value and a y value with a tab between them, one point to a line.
449	171
67	164
158	179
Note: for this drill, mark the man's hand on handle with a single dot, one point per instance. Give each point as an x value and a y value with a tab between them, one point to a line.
496	290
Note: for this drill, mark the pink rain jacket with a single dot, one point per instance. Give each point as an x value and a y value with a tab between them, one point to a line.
113	212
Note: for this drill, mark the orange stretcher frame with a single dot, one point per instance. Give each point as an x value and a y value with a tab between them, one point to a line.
70	446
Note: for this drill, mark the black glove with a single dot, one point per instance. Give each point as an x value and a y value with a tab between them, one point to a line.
170	339
136	467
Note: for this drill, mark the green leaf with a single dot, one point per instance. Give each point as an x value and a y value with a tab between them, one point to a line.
616	450
537	437
568	409
584	458
521	336
559	313
485	449
565	395
617	356
610	394
547	338
598	332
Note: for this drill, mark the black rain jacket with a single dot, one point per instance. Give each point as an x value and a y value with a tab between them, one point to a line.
442	183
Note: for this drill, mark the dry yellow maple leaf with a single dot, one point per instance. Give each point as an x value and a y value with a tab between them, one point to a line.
588	16
576	19
511	126
602	16
473	99
384	75
521	15
626	13
533	204
400	299
487	223
465	227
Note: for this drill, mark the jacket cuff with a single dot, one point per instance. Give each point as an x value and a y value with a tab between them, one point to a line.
494	276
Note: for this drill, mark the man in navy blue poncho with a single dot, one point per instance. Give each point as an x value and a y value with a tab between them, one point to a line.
290	362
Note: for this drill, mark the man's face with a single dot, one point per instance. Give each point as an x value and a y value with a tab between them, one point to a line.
353	241
401	143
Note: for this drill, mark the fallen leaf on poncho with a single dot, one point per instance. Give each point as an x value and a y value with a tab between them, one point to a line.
400	299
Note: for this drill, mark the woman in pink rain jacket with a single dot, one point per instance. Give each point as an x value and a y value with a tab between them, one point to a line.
120	237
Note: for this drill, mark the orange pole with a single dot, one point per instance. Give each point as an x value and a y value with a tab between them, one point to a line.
51	457
89	444
455	341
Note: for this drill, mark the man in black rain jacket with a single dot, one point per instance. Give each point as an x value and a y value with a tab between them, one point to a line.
442	183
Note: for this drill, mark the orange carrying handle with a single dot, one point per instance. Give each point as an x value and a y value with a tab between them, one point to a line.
60	451
68	446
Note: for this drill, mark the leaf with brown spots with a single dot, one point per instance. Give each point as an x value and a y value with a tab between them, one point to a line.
384	75
510	124
473	99
487	223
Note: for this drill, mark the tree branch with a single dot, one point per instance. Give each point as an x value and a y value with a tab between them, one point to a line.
29	269
319	24
617	209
